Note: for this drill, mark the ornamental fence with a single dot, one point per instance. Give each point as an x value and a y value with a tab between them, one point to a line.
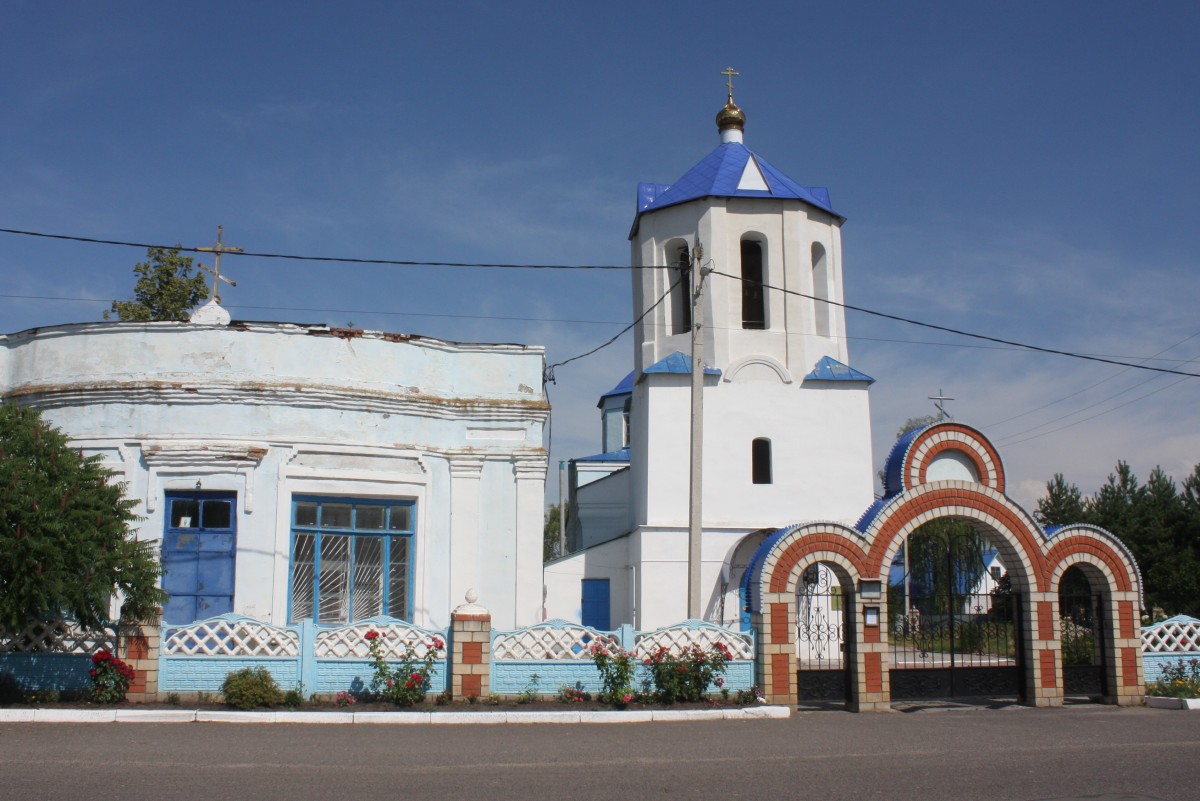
1169	641
316	659
558	653
53	655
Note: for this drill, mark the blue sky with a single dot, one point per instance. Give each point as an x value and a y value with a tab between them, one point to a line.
1024	170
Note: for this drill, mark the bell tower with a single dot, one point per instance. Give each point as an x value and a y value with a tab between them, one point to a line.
786	421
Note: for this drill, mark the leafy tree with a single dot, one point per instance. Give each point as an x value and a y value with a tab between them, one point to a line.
166	289
65	543
917	422
550	540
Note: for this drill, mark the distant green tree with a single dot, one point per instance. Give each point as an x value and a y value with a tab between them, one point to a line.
166	289
917	422
66	546
550	540
1063	504
1157	521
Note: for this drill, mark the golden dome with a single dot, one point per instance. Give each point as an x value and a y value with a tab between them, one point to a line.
731	117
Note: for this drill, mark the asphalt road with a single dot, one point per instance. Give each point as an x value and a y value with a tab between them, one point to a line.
963	754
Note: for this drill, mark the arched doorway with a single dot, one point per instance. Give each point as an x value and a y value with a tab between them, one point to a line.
954	620
824	634
1081	615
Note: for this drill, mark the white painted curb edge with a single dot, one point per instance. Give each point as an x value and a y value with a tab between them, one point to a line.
392	718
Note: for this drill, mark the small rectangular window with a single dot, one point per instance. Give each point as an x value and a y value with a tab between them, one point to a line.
218	514
335	515
369	517
761	458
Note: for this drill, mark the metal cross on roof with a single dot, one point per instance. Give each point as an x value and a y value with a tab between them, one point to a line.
938	400
729	73
215	272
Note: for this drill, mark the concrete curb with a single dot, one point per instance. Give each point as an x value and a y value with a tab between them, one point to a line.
388	718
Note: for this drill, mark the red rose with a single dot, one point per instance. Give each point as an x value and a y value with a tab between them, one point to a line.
371	635
101	656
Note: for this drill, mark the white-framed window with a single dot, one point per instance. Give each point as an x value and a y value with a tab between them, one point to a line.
351	558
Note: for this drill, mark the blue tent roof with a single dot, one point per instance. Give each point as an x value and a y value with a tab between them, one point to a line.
718	175
829	369
677	362
624	387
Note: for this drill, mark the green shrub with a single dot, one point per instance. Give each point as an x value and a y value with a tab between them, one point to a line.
1179	679
294	698
249	688
688	676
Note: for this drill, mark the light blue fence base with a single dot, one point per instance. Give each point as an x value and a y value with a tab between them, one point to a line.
335	676
207	673
1153	664
49	671
514	678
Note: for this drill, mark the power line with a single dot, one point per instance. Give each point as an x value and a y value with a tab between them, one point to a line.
959	332
339	259
1091	386
549	373
413	263
581	321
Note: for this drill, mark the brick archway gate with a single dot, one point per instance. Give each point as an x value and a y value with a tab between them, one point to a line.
946	471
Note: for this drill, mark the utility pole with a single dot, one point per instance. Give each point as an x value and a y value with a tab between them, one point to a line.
696	473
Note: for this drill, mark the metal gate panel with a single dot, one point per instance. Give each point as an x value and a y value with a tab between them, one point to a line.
822	630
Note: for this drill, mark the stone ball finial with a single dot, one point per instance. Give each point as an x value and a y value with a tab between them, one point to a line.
472	596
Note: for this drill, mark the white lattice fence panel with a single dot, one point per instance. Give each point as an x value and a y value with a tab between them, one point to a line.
551	640
350	642
244	637
1176	635
678	639
58	636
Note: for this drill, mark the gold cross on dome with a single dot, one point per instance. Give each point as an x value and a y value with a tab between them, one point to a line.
729	73
215	272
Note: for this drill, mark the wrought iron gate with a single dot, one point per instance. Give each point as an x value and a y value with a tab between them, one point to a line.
822	630
955	646
1083	644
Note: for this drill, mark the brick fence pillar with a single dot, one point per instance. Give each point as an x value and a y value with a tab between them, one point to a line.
470	650
138	646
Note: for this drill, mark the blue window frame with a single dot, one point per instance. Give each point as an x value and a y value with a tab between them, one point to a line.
351	559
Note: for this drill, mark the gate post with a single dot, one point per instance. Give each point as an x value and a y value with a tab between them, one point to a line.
776	663
1126	679
871	690
470	650
1041	650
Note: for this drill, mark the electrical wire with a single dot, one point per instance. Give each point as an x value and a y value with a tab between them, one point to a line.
413	263
338	259
959	332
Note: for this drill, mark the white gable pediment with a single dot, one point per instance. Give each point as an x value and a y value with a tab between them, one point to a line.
752	178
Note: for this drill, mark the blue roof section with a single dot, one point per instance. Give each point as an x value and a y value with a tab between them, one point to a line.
612	456
678	362
894	466
830	369
718	175
624	387
868	517
750	579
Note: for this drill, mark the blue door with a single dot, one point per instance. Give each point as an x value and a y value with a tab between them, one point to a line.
199	546
595	603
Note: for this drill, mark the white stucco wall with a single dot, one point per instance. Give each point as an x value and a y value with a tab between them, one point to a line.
270	411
